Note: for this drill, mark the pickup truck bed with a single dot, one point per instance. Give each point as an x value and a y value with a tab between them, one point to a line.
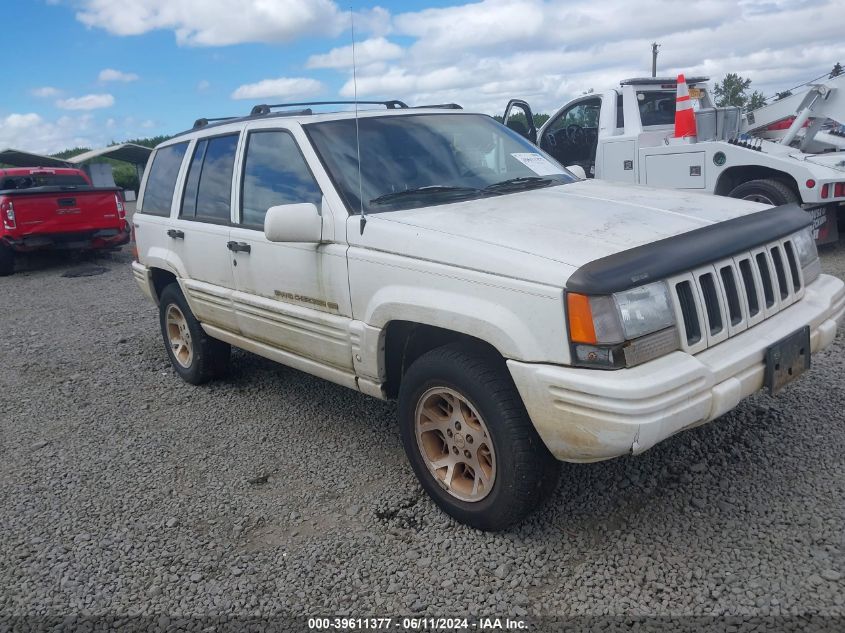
57	209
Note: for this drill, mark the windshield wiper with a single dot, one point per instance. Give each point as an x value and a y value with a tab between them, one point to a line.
430	190
518	184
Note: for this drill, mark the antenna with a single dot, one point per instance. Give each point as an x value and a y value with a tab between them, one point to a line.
357	133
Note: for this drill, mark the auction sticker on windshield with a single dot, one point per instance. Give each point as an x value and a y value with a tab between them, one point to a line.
537	163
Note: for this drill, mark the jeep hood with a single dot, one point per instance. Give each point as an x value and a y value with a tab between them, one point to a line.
546	234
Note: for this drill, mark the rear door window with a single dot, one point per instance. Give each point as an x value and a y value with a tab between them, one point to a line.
275	173
161	182
208	187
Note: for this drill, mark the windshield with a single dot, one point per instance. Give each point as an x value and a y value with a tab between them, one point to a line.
428	159
42	179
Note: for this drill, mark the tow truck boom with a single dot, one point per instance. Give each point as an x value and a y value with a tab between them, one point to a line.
822	101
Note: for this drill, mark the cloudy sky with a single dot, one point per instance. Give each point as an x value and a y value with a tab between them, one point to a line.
87	72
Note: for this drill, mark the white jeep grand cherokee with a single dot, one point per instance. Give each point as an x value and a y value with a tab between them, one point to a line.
520	315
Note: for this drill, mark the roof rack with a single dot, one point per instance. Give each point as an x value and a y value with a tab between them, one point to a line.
440	106
205	121
264	108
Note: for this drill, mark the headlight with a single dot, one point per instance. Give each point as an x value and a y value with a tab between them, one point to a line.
807	254
623	329
645	309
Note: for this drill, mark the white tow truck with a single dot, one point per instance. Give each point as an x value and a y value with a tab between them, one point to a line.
778	154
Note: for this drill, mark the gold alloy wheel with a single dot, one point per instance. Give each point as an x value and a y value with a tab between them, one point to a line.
179	336
455	444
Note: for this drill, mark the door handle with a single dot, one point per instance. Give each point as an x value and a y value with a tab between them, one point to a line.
239	247
176	235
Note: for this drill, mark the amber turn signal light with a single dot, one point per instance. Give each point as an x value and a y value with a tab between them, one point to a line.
581	329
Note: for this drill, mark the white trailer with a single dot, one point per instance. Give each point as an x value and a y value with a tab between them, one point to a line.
626	135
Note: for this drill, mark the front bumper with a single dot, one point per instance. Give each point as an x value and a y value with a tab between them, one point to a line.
586	415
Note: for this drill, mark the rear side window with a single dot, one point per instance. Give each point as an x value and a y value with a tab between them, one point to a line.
620	112
161	182
275	172
208	188
656	107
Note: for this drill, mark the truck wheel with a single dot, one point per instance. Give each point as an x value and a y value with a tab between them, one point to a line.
7	260
766	191
470	441
195	356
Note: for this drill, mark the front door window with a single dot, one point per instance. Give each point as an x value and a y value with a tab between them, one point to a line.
572	138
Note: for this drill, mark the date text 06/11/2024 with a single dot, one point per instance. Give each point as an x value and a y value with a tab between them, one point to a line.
416	624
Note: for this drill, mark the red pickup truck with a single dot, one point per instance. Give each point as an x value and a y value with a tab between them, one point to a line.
58	208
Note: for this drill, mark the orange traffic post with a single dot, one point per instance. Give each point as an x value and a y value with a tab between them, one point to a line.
684	115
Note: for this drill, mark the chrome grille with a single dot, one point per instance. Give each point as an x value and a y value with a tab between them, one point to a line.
716	302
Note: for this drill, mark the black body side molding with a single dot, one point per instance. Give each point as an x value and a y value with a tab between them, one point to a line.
681	253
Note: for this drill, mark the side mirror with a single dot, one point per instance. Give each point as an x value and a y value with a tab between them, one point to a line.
578	171
293	223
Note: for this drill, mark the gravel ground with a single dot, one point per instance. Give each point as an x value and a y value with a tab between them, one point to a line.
125	491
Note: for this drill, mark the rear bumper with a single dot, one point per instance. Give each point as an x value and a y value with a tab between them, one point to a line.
144	279
586	415
80	240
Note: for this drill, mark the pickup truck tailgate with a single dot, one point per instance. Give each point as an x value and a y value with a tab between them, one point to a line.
38	211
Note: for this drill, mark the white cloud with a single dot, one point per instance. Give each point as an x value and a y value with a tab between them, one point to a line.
110	74
480	54
31	132
45	92
34	133
283	87
367	52
376	21
217	22
87	102
203	85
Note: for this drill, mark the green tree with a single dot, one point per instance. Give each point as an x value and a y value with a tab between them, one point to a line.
148	142
731	90
756	100
70	153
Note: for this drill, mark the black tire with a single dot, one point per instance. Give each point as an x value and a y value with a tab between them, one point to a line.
525	472
209	357
765	191
7	261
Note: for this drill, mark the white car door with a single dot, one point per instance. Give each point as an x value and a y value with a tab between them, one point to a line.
293	297
200	231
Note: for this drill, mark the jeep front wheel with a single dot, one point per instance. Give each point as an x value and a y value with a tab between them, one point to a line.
195	356
469	438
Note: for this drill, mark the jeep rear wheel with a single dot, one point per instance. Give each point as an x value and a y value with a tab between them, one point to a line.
7	260
469	439
195	356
